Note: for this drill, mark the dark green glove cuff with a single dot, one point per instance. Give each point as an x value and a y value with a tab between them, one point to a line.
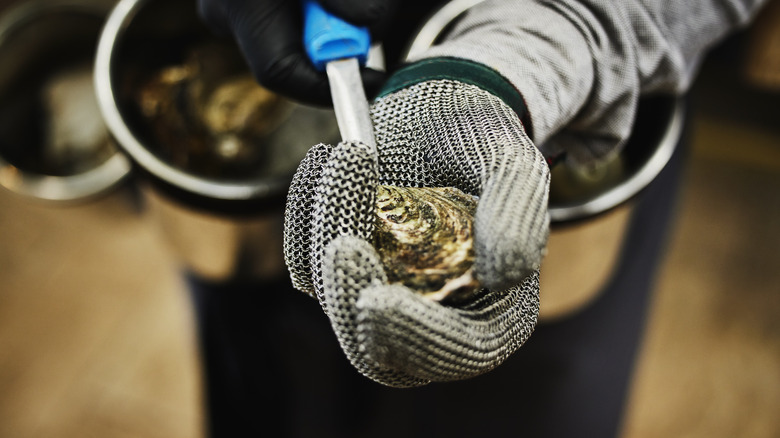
461	70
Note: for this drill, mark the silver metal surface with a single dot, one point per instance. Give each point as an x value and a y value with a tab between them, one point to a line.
106	63
105	86
64	188
29	32
220	245
349	102
671	125
217	247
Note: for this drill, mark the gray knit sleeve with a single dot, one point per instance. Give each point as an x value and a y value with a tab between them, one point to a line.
581	65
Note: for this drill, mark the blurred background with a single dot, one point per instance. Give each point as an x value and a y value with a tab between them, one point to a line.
97	335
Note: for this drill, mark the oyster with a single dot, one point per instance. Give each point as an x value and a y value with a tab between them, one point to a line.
207	114
425	241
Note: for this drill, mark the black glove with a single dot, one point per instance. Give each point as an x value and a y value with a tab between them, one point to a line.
269	34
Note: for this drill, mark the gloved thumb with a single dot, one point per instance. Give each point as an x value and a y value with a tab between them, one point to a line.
511	225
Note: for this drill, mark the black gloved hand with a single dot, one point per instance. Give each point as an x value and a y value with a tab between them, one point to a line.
269	34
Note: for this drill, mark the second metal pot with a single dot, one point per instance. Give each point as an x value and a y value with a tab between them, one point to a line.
223	218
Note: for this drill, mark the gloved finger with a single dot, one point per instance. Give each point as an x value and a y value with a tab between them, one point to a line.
511	225
270	36
375	14
350	266
362	12
344	201
298	216
212	14
402	330
484	150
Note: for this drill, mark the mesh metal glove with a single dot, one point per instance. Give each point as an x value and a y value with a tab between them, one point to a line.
436	132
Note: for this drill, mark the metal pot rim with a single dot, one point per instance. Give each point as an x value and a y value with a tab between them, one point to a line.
116	25
49	187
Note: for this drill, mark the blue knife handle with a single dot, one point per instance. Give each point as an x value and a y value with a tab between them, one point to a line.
329	38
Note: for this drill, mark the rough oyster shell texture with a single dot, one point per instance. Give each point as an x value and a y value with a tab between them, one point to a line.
424	237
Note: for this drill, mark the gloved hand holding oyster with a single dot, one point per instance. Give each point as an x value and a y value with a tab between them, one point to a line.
432	131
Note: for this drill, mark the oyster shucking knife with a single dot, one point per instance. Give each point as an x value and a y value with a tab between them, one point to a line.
340	48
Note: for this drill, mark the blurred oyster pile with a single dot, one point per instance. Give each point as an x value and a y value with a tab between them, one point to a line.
208	115
424	237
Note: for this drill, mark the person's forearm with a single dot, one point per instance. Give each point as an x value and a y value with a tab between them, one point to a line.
581	65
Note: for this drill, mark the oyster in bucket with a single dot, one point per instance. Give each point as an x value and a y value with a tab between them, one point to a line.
424	237
207	115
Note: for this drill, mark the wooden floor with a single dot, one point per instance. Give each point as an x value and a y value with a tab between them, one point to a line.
96	335
710	366
95	332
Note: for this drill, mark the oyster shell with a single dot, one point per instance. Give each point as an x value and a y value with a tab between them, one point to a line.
425	241
206	114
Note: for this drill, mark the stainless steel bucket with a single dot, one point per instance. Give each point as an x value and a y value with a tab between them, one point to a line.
223	218
589	209
54	145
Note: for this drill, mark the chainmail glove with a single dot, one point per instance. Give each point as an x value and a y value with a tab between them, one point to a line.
435	132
